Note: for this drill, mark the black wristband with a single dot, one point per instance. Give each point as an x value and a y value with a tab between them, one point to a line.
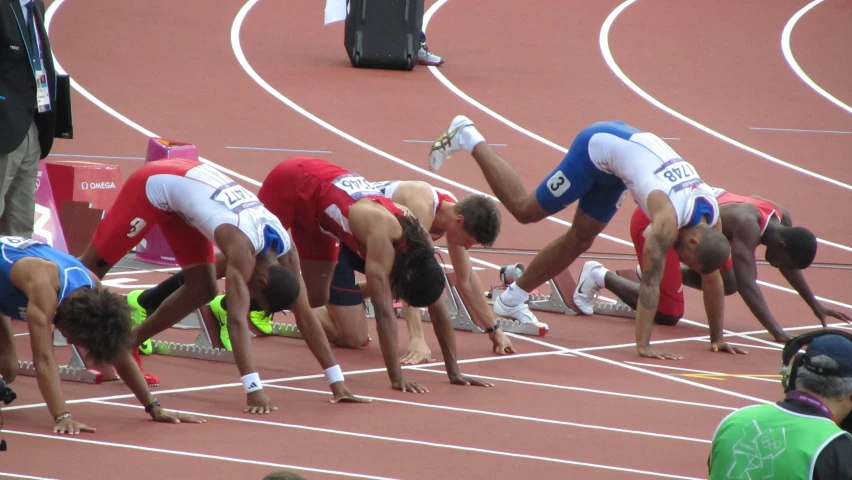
150	407
492	328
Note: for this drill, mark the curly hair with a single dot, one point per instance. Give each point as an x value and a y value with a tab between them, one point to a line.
416	276
282	288
481	218
97	320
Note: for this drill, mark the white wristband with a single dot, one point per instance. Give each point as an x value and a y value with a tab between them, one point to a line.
333	374
251	382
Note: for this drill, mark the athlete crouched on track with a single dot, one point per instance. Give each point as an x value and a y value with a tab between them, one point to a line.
473	220
196	205
606	159
41	285
747	221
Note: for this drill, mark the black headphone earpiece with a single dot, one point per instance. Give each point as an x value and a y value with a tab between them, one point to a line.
792	358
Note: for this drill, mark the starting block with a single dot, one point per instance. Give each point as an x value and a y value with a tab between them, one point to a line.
75	371
205	346
463	321
561	298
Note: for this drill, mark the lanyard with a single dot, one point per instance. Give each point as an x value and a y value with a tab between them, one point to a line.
812	401
34	44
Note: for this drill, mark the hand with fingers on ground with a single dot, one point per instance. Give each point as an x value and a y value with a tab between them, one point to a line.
405	385
341	394
418	352
63	423
258	402
466	381
649	352
727	348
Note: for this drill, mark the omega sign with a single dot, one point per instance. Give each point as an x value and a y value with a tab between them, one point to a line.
96	185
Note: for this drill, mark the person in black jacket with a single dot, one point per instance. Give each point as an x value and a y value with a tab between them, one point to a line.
27	110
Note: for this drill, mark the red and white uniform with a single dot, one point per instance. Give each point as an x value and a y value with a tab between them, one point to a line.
188	200
312	198
766	208
439	196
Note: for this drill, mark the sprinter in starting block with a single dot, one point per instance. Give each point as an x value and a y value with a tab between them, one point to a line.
747	221
42	286
605	161
195	205
473	220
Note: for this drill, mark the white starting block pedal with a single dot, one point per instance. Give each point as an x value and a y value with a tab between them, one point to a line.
204	348
76	369
561	298
462	320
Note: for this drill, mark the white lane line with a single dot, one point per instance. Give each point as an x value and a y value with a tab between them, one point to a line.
507	415
192	454
607	54
791	59
799	130
585	390
416	442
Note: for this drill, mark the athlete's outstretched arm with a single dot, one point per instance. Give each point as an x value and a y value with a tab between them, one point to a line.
470	289
796	278
662	236
506	185
311	330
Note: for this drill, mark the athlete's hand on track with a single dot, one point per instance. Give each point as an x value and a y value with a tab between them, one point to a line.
418	352
408	386
726	347
502	344
651	353
164	416
469	381
258	402
71	427
341	394
822	311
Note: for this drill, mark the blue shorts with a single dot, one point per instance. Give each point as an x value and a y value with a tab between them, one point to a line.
576	177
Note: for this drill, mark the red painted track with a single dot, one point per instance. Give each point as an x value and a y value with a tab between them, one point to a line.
171	69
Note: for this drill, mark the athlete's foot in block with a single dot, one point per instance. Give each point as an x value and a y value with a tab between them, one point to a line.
151	379
138	315
448	143
520	313
587	290
221	316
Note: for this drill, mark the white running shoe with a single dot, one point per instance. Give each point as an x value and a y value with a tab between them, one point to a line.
448	143
520	312
587	291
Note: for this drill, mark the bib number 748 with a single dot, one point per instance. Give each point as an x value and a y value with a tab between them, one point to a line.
678	172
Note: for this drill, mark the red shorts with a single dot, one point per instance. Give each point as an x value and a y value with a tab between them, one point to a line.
671	285
132	216
299	191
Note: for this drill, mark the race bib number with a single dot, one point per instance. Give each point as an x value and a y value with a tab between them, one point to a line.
235	197
356	187
677	173
18	242
558	184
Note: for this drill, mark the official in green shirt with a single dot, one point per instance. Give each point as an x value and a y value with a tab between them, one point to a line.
799	438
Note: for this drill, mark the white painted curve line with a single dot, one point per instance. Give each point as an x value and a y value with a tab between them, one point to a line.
51	11
241	58
607	54
191	454
452	87
791	60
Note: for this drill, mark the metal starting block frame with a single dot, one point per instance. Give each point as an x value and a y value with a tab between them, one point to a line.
463	321
75	371
561	299
204	347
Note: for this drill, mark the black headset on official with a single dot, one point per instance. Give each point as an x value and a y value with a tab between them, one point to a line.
792	358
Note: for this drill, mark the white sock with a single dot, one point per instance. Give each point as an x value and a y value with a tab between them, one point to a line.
469	137
514	296
598	276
